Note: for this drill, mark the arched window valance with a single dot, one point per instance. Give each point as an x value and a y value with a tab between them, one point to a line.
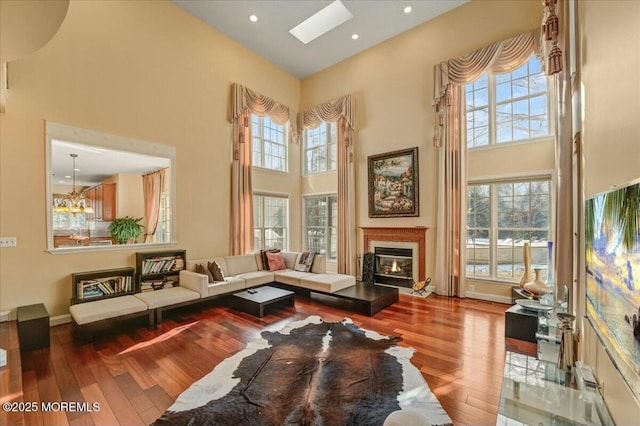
244	99
330	112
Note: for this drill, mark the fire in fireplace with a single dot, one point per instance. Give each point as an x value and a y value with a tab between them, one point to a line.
394	266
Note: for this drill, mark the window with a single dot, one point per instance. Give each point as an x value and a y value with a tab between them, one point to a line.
270	221
507	107
320	148
321	227
269	144
163	229
69	221
501	217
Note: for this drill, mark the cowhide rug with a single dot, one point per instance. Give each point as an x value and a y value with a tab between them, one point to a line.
310	373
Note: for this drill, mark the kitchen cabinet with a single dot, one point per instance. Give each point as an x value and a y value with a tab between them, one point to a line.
102	199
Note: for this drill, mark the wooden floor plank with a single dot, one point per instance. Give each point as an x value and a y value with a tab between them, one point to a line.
135	373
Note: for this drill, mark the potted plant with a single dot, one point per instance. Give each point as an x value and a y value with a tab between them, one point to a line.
124	229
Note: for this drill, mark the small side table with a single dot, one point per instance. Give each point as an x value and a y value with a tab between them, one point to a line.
520	324
33	327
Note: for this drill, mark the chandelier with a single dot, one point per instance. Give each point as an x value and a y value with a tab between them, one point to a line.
73	202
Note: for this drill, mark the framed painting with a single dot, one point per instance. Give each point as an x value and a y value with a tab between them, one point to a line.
393	184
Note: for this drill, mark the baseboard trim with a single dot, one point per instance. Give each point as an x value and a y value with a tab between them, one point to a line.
5	316
59	320
489	297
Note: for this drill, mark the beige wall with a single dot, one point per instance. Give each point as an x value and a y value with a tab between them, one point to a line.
393	87
143	69
610	48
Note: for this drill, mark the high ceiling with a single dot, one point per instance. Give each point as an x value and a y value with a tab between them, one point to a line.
374	22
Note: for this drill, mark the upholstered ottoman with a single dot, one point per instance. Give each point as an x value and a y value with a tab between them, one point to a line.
167	297
327	283
99	310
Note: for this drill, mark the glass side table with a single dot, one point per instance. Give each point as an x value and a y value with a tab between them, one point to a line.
533	395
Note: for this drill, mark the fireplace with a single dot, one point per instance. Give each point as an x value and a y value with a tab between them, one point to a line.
399	244
394	266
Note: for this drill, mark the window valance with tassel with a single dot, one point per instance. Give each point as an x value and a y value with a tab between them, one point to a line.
245	99
330	112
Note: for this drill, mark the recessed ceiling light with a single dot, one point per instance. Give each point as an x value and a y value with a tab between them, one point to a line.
408	9
67	177
355	36
323	21
253	18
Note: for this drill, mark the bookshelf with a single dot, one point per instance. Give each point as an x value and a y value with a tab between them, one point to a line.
96	285
159	269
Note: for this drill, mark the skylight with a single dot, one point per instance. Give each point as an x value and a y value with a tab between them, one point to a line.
323	21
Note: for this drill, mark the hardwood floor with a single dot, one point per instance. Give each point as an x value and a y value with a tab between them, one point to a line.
135	374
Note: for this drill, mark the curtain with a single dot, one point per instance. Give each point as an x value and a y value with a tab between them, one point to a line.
449	136
152	185
450	236
564	250
342	111
245	102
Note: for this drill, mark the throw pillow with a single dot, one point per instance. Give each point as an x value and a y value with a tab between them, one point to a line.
265	261
276	261
216	271
305	261
201	269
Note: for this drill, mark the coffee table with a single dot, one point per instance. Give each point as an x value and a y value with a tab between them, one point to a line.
255	303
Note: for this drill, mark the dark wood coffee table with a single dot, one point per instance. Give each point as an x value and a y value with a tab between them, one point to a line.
255	303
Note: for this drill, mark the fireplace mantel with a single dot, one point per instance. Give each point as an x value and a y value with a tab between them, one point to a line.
414	234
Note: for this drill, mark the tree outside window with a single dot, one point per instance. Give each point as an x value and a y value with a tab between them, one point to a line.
269	144
320	148
270	222
321	230
507	107
501	217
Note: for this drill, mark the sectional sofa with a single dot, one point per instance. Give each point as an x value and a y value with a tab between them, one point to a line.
240	272
245	271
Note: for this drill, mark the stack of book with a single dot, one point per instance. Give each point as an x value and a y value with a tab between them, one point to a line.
158	265
150	285
103	286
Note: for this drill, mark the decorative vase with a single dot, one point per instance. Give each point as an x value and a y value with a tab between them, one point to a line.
526	257
537	287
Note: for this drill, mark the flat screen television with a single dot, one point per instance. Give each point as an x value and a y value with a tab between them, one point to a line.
612	237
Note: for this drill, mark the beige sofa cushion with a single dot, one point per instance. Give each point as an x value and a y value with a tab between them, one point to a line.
327	283
226	286
290	277
290	258
85	313
319	264
255	278
167	296
240	264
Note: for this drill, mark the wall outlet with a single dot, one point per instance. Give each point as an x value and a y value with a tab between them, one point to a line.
8	241
5	316
472	287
